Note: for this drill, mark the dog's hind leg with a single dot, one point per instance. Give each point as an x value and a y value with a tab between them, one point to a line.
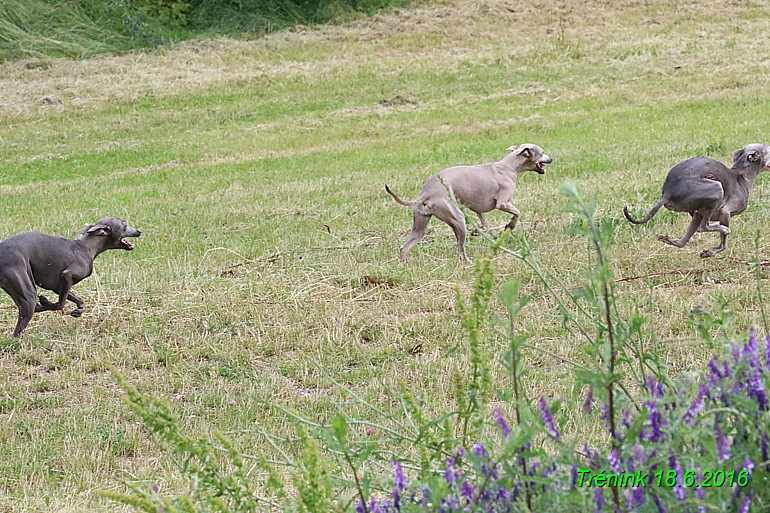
419	226
79	304
484	225
22	290
697	221
454	217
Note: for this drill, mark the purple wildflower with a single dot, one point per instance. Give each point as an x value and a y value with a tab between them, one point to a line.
460	451
765	443
656	422
748	465
679	492
502	495
550	471
452	473
751	346
360	506
545	413
489	471
399	481
614	461
479	451
588	405
723	444
626	422
634	497
735	352
726	369
449	503
467	490
756	389
425	496
573	477
374	506
671	459
504	427
599	499
656	388
639	454
744	507
604	412
650	381
715	372
700	493
656	500
697	405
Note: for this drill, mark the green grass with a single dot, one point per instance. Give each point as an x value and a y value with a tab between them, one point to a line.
47	29
256	169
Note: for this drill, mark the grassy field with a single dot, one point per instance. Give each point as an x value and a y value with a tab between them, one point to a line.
256	172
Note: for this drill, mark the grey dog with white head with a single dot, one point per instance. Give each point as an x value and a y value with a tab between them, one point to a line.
709	191
31	260
482	188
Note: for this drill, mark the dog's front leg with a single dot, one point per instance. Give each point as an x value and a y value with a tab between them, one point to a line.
65	284
509	208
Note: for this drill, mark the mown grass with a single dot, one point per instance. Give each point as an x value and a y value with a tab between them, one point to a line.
256	171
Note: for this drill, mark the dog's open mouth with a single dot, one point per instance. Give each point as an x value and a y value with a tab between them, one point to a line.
127	244
540	168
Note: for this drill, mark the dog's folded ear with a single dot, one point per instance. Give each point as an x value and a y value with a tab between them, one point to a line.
511	148
96	229
525	152
739	154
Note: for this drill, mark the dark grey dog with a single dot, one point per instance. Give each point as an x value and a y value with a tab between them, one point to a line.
482	188
31	260
709	191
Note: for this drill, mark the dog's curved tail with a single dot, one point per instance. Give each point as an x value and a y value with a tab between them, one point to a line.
405	203
648	216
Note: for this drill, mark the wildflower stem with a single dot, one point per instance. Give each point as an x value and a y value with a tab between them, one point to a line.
515	376
613	350
358	483
758	277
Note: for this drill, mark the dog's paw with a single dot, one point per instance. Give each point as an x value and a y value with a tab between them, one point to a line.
669	240
706	253
76	313
44	301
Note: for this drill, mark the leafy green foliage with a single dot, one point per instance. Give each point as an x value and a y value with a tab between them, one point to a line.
212	486
83	28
